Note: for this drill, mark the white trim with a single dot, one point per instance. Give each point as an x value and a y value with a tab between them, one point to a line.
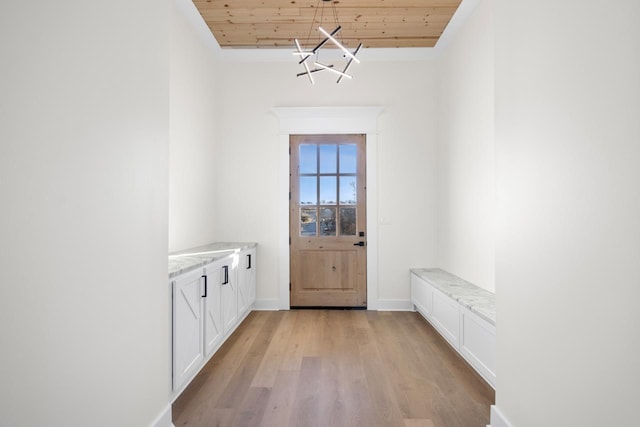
164	419
328	120
266	304
497	419
395	305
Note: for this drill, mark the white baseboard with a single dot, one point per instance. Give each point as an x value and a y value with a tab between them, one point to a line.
497	419
164	419
394	305
381	305
271	304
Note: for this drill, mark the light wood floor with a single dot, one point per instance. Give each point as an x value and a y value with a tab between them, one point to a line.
335	368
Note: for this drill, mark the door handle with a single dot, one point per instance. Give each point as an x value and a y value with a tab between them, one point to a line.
226	274
359	244
205	286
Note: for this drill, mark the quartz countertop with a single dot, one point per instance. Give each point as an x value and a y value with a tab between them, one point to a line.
476	299
189	259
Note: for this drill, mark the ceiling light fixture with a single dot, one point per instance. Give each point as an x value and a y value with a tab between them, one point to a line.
328	37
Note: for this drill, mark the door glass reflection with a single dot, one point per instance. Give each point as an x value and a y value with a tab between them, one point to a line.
308	221
347	221
348	190
328	221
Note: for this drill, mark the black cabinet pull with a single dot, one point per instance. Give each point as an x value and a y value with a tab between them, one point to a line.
205	286
248	261
226	274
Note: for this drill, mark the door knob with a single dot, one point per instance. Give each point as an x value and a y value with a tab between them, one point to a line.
359	244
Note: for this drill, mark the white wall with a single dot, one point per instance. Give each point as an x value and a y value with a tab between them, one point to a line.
567	262
465	153
193	125
83	225
247	158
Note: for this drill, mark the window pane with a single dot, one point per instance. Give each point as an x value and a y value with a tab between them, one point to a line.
308	221
308	190
347	221
348	190
308	158
328	190
328	158
348	155
328	221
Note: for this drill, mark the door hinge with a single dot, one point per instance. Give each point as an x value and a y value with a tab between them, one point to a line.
289	195
289	286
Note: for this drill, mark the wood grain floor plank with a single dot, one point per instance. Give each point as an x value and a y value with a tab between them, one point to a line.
276	354
339	368
283	394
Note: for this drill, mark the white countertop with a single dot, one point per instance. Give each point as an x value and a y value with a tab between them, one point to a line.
189	259
476	299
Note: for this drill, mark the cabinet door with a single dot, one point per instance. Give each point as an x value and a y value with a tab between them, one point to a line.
229	293
446	318
421	296
188	351
213	330
246	281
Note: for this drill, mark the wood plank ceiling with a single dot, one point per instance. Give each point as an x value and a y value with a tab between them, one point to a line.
375	23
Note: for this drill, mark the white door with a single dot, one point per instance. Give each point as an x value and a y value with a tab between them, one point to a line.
246	281
228	293
213	331
188	351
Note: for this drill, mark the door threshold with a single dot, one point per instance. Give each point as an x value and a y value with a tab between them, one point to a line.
318	307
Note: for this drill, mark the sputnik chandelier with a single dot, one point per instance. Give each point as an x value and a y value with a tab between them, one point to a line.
306	55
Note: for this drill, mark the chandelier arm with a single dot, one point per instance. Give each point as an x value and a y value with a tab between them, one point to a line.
322	43
315	70
338	44
355	52
330	68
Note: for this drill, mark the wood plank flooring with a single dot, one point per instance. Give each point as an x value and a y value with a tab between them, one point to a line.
337	368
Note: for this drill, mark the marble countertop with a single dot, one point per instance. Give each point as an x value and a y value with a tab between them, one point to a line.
189	259
476	299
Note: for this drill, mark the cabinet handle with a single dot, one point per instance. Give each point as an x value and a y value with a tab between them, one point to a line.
205	286
226	274
249	261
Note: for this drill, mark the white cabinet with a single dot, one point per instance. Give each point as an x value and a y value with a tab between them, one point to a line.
188	327
469	334
208	305
246	281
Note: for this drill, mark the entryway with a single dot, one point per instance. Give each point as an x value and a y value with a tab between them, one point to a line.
327	221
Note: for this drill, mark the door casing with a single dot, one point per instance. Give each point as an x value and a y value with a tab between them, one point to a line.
326	120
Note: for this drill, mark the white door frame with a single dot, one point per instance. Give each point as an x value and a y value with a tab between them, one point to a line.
328	120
